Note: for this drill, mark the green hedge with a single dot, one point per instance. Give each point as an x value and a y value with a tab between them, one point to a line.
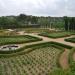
71	61
60	71
57	34
53	36
62	45
54	44
31	47
31	39
70	40
19	42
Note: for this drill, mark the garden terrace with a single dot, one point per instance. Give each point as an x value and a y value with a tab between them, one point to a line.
70	40
39	60
17	39
57	34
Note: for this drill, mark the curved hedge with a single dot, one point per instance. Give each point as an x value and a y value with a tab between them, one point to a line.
54	44
57	34
62	45
50	36
18	39
27	49
70	40
71	61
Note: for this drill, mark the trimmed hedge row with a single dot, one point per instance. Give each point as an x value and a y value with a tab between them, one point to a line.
59	71
57	34
60	34
70	40
62	45
71	61
32	47
53	36
31	39
27	36
54	44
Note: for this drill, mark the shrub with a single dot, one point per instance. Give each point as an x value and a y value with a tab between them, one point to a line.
70	40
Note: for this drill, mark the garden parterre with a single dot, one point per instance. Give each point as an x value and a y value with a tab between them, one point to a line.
17	39
41	61
57	34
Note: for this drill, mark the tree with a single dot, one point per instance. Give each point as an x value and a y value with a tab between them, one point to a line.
72	23
66	23
34	20
22	18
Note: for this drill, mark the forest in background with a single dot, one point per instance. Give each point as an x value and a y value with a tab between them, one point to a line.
29	21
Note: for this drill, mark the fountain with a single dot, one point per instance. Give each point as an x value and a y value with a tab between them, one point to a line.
8	47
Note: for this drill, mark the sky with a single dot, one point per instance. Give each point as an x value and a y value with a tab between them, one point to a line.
37	7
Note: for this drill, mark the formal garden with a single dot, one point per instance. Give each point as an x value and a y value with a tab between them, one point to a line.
31	60
31	45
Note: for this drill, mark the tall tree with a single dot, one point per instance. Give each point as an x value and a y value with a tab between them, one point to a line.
22	18
66	23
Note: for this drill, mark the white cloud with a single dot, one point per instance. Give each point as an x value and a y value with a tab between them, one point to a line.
37	7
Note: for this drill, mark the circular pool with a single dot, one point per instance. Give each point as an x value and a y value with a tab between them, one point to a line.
8	47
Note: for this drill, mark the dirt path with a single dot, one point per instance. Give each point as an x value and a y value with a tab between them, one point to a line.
59	40
63	60
74	56
46	39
